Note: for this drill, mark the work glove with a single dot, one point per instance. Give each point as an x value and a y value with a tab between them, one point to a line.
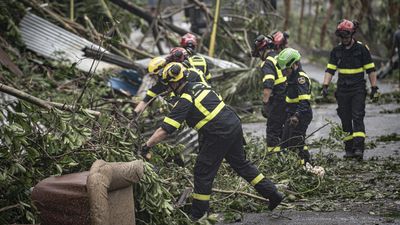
265	110
324	91
145	152
293	121
374	94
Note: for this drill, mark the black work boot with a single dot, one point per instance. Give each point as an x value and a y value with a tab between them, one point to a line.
349	155
274	200
359	154
348	146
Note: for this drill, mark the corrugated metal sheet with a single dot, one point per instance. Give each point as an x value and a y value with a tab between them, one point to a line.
49	40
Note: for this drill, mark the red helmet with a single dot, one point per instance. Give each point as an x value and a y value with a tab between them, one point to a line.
260	44
189	41
177	54
280	39
345	28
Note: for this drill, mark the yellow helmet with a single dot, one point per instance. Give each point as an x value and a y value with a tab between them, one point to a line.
173	72
156	64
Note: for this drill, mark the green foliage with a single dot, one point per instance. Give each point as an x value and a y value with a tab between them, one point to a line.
392	97
388	138
11	12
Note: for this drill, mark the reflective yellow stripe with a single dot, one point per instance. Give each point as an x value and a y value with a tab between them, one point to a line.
172	122
151	94
210	116
280	80
348	138
272	59
291	100
197	102
304	97
268	76
208	76
274	149
187	97
257	179
358	134
305	148
369	66
298	99
331	66
302	162
351	71
201	197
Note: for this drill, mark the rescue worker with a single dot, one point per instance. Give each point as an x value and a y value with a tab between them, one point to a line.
280	40
274	90
181	55
351	59
155	67
189	42
396	44
203	109
298	96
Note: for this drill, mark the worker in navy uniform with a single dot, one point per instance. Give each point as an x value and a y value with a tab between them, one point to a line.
189	42
155	67
351	59
274	87
203	109
298	96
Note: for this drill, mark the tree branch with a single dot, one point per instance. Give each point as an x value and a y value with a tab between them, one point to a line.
40	102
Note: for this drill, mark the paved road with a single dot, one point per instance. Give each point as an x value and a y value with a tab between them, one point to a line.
315	218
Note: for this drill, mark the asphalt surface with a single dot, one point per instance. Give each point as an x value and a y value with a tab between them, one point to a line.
314	218
377	124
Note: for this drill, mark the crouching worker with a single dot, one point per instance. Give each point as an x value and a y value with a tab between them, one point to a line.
203	109
299	112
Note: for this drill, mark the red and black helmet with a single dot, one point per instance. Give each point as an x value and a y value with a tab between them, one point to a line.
260	44
177	54
280	39
189	41
345	28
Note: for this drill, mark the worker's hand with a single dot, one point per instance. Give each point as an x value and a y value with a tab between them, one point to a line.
145	152
374	94
265	110
324	91
293	121
135	114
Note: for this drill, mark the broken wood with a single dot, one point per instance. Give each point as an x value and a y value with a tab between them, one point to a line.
40	102
7	62
111	58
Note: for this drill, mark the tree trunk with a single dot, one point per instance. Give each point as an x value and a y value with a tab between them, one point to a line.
146	16
300	30
287	14
314	20
325	23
